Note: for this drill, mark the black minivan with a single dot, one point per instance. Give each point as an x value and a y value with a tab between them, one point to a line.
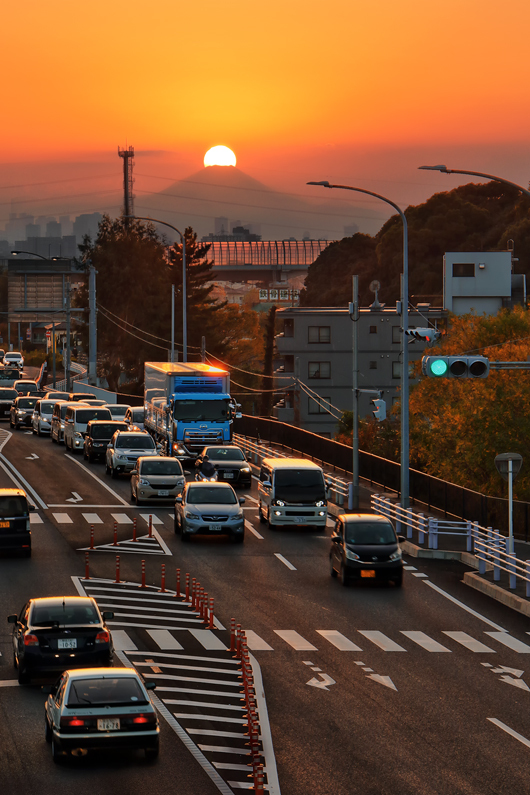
98	435
15	533
364	546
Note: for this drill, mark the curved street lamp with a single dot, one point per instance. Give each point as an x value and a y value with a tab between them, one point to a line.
184	299
404	343
31	253
445	170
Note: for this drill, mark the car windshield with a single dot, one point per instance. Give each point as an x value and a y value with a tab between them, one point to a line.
117	411
46	407
65	613
106	430
168	467
8	394
138	415
299	485
13	506
26	403
85	415
369	533
225	454
122	690
211	495
64	409
143	442
206	410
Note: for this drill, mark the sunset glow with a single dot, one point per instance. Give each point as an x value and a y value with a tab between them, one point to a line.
219	156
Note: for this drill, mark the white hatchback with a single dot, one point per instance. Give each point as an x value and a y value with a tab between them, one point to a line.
14	358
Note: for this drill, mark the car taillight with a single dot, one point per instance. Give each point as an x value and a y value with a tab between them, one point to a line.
103	637
72	722
150	718
31	640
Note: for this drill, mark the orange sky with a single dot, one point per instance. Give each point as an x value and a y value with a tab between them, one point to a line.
297	89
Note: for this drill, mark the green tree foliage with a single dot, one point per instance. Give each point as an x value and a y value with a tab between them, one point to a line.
469	218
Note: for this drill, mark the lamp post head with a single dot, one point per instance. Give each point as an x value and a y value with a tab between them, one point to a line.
324	183
443	169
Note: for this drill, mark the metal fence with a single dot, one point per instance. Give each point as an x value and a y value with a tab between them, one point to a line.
455	502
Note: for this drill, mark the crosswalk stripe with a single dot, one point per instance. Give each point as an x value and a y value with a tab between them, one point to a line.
62	518
255	643
164	639
122	641
295	640
338	640
34	518
207	639
155	518
425	641
122	518
381	640
511	643
468	642
93	518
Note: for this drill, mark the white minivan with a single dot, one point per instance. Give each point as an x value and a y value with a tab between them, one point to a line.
292	491
76	420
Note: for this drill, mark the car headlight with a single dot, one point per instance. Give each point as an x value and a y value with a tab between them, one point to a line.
143	482
20	412
122	457
245	469
351	555
320	504
396	555
280	503
78	435
190	515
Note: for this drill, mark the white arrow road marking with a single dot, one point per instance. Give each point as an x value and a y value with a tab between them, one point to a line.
516	682
502	669
383	680
512	732
74	498
321	683
32	457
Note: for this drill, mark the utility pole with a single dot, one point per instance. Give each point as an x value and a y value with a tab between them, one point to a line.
92	326
128	198
68	342
353	499
203	349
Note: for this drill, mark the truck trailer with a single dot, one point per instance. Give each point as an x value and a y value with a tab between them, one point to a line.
188	406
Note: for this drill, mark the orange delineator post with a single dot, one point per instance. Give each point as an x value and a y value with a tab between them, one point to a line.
143	585
177	591
134	529
150	526
232	634
187	587
91	536
117	569
115	542
210	625
87	570
163	579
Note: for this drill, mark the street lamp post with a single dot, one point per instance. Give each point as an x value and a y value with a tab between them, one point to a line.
184	299
404	339
445	170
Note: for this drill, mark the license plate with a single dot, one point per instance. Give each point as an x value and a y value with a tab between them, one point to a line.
216	528
67	643
4	524
108	724
367	573
229	475
163	493
299	519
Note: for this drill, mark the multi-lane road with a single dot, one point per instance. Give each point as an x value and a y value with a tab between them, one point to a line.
367	689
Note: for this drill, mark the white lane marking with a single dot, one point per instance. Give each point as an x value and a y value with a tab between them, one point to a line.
155	519
92	518
419	574
210	704
83	507
9	683
227	749
463	606
217	733
122	518
338	640
425	641
253	530
295	640
322	683
255	643
164	639
383	680
34	518
207	639
381	640
410	568
101	482
32	457
252	499
62	518
122	641
285	561
19	481
512	643
74	498
468	642
509	731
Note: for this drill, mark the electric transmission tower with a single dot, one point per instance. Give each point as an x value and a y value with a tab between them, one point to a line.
128	198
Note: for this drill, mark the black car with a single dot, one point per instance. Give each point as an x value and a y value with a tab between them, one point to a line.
58	632
21	412
230	463
7	396
98	435
15	533
365	546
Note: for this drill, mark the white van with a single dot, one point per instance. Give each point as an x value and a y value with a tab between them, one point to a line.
75	424
292	491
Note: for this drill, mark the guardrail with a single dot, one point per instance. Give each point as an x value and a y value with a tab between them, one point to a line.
79	372
258	450
489	546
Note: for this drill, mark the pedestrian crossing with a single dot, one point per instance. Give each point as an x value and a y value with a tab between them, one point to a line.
64	517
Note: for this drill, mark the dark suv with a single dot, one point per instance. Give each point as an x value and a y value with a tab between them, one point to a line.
365	546
7	396
15	533
98	435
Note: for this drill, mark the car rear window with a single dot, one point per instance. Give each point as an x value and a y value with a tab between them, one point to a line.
369	533
9	374
44	615
107	430
117	411
135	442
8	394
13	506
123	690
138	415
85	415
169	467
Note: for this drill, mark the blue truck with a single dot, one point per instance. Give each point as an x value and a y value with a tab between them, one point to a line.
188	406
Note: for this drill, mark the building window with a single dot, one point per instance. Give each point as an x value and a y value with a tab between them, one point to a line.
396	369
316	406
288	327
319	370
373	329
396	334
319	334
464	269
373	365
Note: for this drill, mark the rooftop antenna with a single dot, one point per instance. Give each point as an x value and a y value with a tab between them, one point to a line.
375	286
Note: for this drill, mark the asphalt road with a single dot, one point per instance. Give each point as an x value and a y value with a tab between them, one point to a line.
369	689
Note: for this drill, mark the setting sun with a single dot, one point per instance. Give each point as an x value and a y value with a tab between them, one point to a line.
219	156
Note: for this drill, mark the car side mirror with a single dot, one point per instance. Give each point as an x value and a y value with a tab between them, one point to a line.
242	500
336	539
267	484
134	472
47	689
109	446
187	472
150	685
179	500
108	615
12	619
32	507
401	539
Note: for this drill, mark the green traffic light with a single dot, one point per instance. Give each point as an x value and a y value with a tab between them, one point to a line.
438	367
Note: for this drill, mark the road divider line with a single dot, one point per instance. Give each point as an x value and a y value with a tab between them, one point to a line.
463	606
509	731
21	482
92	475
285	561
253	530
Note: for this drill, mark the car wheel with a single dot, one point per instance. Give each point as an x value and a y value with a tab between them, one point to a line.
239	538
107	468
11	424
398	581
261	517
53	438
344	578
133	498
33	429
48	734
177	525
151	753
332	571
183	535
15	661
113	473
23	677
27	553
56	754
269	525
39	432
